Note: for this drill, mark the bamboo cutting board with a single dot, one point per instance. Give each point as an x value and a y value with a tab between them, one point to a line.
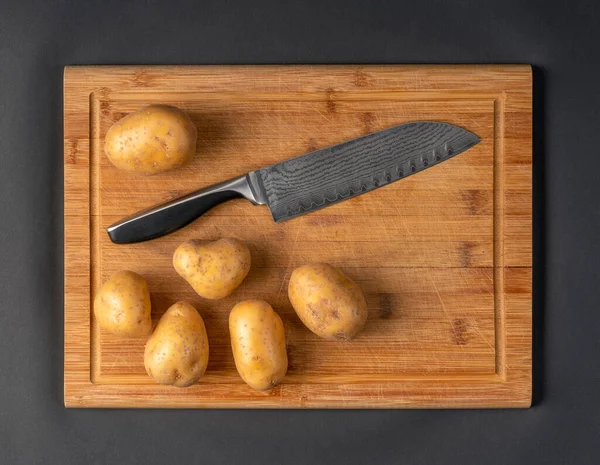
443	257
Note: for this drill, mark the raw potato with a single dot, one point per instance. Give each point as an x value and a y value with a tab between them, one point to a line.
328	303
153	139
122	305
213	269
177	352
258	344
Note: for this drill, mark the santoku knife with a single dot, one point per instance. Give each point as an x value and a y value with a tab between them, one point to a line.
312	181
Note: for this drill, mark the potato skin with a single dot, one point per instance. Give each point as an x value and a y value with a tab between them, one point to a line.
330	304
177	352
122	305
153	139
213	269
258	344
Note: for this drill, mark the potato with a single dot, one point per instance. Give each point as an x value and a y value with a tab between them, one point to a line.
122	305
213	269
177	352
328	303
258	344
153	139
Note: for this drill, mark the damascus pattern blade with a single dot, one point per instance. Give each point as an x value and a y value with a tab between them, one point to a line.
318	179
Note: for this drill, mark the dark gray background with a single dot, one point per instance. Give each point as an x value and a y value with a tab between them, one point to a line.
562	39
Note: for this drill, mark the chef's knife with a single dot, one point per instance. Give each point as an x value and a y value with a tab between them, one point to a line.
312	181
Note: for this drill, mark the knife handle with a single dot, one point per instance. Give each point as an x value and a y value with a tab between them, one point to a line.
175	214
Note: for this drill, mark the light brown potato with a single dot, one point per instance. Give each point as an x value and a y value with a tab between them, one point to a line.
177	352
213	269
258	344
153	139
122	305
328	303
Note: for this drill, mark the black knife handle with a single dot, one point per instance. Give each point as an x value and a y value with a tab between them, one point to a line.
175	214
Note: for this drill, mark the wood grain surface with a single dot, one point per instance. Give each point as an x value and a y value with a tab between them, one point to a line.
443	257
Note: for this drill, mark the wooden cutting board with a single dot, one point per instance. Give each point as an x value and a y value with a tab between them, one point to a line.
443	257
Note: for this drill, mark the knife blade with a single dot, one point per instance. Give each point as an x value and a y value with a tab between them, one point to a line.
312	181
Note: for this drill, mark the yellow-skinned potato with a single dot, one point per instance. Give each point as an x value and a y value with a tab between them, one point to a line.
153	139
258	344
213	269
122	305
328	303
177	352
